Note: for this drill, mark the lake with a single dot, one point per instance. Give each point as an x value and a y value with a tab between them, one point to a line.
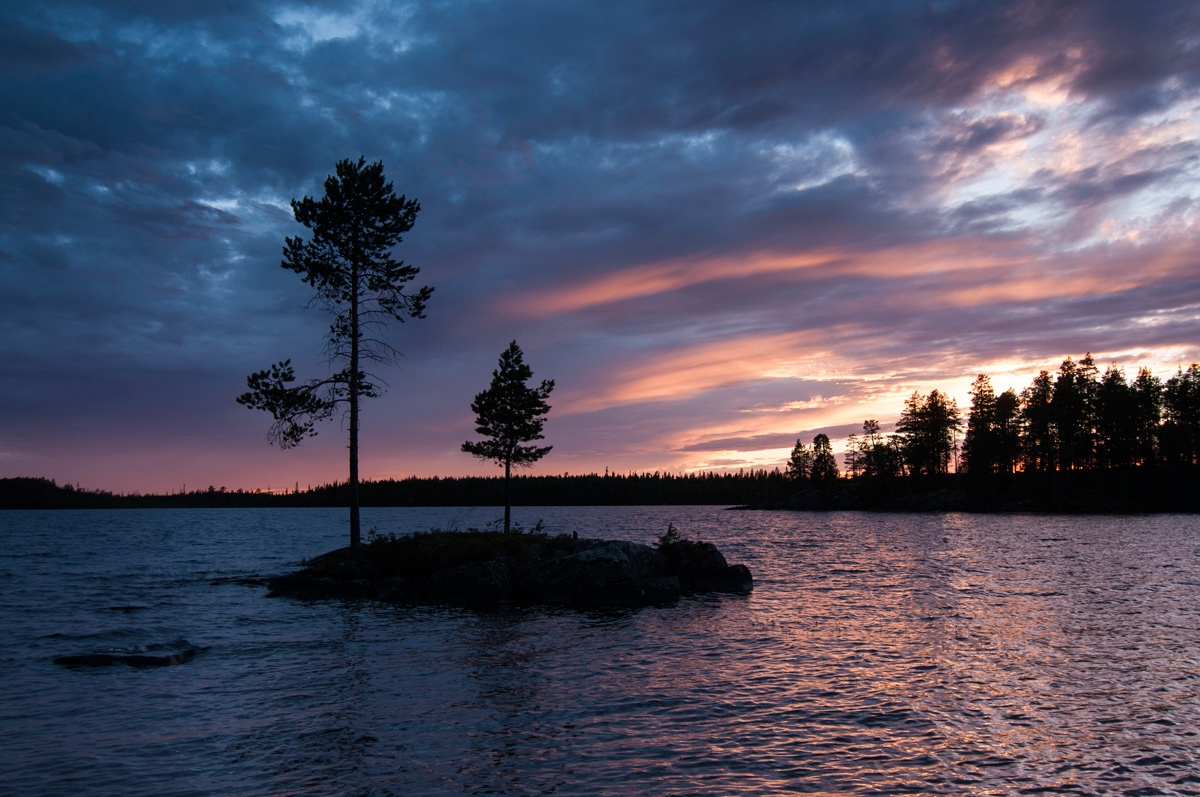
878	654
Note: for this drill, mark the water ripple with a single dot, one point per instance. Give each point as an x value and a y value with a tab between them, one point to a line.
878	654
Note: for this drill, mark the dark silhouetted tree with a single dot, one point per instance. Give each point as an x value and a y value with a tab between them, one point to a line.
799	465
824	463
928	431
1181	417
348	262
1037	424
1007	424
510	414
1073	413
1147	391
1116	421
992	442
981	443
877	455
853	456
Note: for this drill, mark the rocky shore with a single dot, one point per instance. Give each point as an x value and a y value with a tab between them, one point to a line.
492	568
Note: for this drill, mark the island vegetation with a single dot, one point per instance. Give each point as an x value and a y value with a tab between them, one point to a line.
487	567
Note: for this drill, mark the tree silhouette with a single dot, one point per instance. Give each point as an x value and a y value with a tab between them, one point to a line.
1073	410
1147	392
510	414
1068	434
1116	421
1007	427
981	443
348	262
928	430
1181	416
992	442
1037	424
853	458
824	463
799	464
875	456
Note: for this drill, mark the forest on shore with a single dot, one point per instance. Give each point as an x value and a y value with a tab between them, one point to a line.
1073	441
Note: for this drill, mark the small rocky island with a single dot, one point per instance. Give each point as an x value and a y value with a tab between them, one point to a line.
486	568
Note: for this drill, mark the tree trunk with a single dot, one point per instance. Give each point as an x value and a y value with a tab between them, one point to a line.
507	499
355	536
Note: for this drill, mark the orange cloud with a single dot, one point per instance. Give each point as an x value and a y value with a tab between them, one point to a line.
663	277
939	257
686	371
1091	274
672	275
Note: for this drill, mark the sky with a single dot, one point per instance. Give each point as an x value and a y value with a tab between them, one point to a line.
718	226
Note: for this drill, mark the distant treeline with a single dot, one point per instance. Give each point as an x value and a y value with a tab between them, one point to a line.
610	489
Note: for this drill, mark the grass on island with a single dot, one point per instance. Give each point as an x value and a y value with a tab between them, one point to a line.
416	556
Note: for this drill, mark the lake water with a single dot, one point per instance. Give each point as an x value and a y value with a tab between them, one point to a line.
878	654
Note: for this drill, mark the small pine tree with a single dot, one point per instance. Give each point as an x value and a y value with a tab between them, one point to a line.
510	414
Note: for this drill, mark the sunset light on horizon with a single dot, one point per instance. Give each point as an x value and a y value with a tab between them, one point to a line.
718	227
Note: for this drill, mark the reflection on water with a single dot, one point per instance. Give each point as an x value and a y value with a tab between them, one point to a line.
878	654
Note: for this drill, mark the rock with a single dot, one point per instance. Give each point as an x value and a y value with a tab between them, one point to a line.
348	569
395	590
477	583
556	571
603	573
702	568
178	654
251	581
316	586
734	579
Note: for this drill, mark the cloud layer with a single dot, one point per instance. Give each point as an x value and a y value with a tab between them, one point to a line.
717	226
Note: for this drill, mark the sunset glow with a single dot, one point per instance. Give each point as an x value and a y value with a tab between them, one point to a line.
717	229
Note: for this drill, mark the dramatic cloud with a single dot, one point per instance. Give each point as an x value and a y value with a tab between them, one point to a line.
718	226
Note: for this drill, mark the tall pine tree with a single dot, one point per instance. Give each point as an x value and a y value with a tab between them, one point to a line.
348	262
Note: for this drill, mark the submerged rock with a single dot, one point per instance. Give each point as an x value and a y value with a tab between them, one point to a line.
152	656
556	571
